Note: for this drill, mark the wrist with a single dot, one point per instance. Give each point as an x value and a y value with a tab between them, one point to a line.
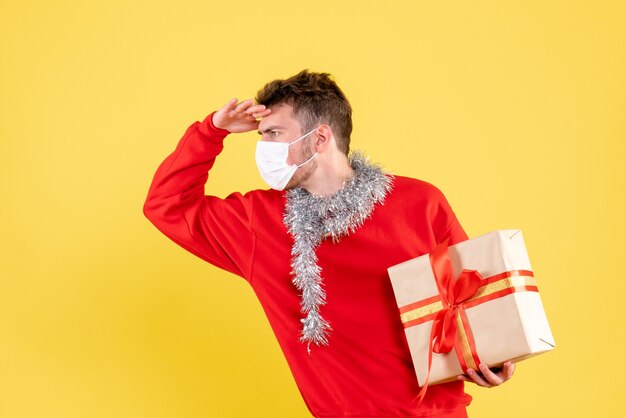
216	125
210	120
208	128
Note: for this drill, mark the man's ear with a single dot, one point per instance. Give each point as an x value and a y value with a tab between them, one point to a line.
323	140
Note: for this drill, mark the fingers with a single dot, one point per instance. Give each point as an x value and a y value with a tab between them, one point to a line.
243	106
493	378
249	109
230	105
463	377
255	109
478	379
240	117
260	112
489	378
509	369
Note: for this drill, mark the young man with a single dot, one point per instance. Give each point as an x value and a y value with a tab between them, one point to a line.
316	246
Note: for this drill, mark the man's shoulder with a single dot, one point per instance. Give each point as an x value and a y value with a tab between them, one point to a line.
416	188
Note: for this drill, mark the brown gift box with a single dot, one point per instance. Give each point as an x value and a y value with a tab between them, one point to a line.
504	320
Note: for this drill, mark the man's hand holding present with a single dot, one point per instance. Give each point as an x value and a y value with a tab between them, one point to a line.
489	378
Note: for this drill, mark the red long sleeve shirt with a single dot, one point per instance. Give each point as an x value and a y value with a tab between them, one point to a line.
366	371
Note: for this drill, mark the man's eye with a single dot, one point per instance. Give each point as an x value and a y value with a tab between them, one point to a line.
274	133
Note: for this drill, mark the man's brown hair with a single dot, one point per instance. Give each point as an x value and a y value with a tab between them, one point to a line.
315	99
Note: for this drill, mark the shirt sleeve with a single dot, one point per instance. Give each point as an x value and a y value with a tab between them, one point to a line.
217	230
446	224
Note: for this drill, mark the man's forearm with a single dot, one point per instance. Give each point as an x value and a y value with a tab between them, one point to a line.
178	183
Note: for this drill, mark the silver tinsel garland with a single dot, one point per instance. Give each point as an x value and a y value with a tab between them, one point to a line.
310	219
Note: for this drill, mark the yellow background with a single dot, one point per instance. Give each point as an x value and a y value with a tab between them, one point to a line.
515	110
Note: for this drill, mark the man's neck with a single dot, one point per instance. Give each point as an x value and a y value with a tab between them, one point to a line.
329	178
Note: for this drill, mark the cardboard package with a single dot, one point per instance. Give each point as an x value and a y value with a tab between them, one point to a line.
492	317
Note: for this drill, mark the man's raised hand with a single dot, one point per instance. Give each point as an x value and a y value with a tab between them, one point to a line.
242	117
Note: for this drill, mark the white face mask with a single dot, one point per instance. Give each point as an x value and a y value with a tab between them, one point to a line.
271	160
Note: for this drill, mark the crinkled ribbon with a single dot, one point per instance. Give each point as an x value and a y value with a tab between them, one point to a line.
443	334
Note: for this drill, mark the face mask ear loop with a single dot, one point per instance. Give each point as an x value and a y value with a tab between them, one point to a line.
303	136
312	156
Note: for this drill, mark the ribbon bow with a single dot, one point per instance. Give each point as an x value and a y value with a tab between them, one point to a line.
443	335
453	293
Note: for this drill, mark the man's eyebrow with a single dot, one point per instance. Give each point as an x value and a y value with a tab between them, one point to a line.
266	130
